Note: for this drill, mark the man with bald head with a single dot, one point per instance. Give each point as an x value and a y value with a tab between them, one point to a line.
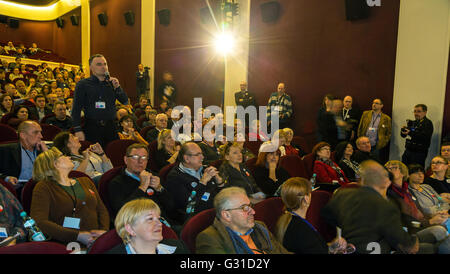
245	99
281	102
190	180
367	219
17	159
351	115
363	151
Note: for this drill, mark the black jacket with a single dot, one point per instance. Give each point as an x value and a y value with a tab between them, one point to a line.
366	217
420	133
181	185
123	189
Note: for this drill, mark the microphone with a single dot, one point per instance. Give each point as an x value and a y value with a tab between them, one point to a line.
107	76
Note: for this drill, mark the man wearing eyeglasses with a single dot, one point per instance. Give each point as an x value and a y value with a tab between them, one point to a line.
235	230
418	135
190	181
135	182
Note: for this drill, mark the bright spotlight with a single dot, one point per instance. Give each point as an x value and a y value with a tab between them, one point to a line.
224	43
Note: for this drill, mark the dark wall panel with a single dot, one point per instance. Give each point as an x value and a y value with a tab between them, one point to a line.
315	51
184	48
118	42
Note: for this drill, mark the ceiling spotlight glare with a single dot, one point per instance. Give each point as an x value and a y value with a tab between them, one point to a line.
224	43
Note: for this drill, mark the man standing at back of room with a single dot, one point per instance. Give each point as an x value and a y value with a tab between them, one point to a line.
96	96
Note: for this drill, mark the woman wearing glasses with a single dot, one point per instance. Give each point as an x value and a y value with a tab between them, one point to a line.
138	224
438	181
67	210
327	171
431	235
128	132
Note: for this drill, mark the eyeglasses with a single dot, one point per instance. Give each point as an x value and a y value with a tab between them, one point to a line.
196	154
137	157
392	168
246	208
438	163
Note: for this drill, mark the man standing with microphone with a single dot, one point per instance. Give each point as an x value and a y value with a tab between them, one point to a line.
96	96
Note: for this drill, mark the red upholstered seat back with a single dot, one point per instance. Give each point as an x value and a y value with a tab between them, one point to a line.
269	211
195	225
318	200
35	248
116	150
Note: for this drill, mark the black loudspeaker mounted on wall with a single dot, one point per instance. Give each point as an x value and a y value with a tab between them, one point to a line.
270	11
75	19
60	22
356	10
164	17
13	23
129	18
103	18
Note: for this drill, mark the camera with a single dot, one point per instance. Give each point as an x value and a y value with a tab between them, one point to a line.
146	68
410	125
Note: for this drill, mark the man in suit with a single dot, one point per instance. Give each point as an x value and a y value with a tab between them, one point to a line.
161	123
245	99
377	126
17	159
40	110
352	116
367	219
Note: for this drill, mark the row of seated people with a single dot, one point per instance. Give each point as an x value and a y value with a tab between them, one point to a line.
32	52
192	157
40	77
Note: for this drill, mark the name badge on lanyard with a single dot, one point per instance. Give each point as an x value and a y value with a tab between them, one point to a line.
100	105
71	223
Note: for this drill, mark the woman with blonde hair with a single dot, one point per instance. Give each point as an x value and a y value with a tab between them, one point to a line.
66	209
167	152
293	230
138	224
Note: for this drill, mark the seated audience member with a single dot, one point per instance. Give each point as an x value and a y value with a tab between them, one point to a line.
93	161
280	138
343	156
45	90
167	152
235	230
56	197
364	151
21	89
135	182
163	106
10	220
150	114
6	104
325	168
247	153
268	174
3	79
128	132
161	123
19	53
398	192
15	64
15	74
69	105
370	217
17	159
291	149
52	98
143	102
49	77
293	230
20	114
60	120
445	152
31	95
11	90
10	46
40	110
33	49
235	173
440	184
209	147
191	176
426	198
138	224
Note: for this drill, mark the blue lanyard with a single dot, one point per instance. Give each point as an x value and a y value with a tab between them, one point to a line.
304	220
